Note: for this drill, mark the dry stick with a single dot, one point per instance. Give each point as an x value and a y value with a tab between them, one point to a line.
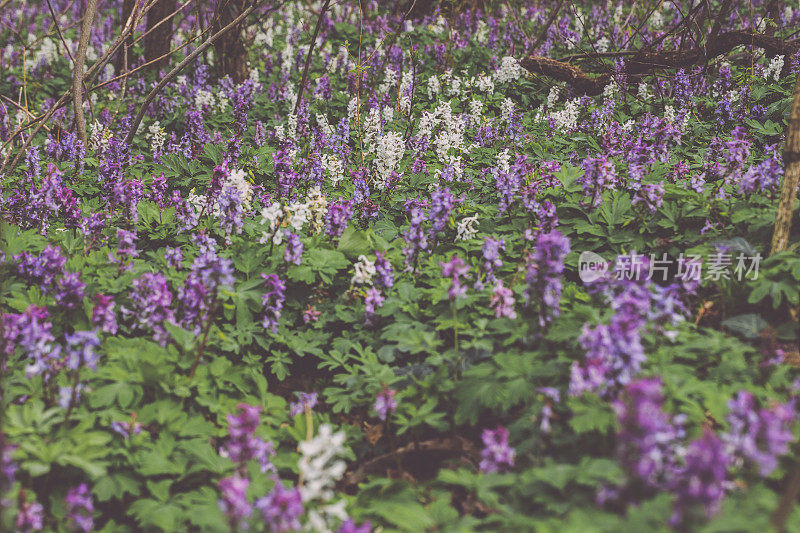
77	70
718	20
547	24
791	175
645	62
128	73
42	119
180	66
309	55
20	107
160	22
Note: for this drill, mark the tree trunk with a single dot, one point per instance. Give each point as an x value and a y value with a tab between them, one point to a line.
124	57
77	70
230	57
158	42
791	175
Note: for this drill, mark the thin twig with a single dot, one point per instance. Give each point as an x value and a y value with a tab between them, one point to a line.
309	55
180	66
549	22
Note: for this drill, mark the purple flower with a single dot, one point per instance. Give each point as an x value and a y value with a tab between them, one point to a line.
764	176
543	275
383	269
651	195
454	269
442	202
294	248
126	429
69	292
508	184
174	257
230	211
759	435
80	349
496	454
306	402
702	480
503	301
92	227
598	175
151	301
350	527
272	301
8	468
43	269
416	239
385	403
281	508
198	294
491	259
80	507
648	439
372	300
103	313
234	499
311	314
29	517
243	445
337	217
127	246
32	332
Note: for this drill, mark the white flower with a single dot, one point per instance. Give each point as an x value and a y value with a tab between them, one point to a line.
318	205
643	92
656	20
319	465
352	109
552	96
483	31
390	150
433	87
510	69
567	118
506	108
609	91
203	98
485	84
372	126
466	228
475	110
440	26
669	114
156	136
237	179
617	18
99	136
334	167
271	214
389	81
325	126
297	214
504	161
365	269
774	68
